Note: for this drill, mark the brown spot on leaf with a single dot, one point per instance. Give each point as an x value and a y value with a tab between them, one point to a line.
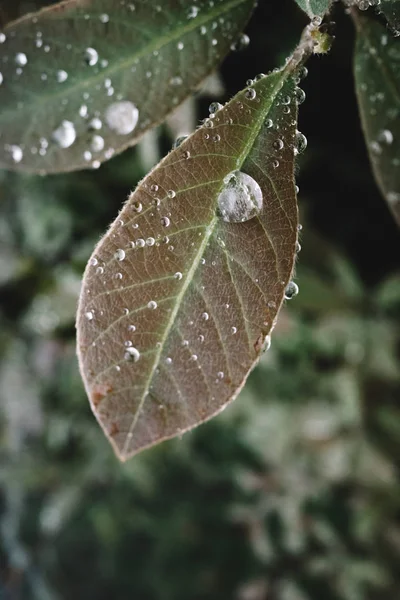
99	391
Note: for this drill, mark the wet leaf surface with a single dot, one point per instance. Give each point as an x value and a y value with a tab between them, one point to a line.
178	300
315	7
83	80
391	10
377	75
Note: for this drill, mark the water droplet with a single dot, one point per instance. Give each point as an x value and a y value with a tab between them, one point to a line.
62	76
100	270
241	43
165	222
131	328
269	123
132	354
21	59
278	144
205	316
193	358
241	199
152	305
91	56
65	134
267	344
104	18
122	117
2	38
168	360
385	136
193	12
154	188
95	124
300	143
180	45
250	94
97	143
179	140
220	375
214	107
178	275
292	289
16	152
140	243
93	262
171	194
120	254
89	315
233	330
300	95
137	207
150	241
1	78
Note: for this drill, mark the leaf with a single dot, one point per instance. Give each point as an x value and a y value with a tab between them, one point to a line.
177	302
391	10
84	79
315	8
377	77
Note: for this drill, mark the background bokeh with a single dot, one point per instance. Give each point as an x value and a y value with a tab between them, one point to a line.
293	493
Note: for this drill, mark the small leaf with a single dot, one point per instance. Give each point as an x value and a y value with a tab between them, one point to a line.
377	76
180	296
84	79
315	8
391	10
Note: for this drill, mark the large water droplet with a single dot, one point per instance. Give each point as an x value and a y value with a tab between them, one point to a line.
241	199
91	56
292	289
21	59
122	117
132	354
65	134
62	76
120	254
300	143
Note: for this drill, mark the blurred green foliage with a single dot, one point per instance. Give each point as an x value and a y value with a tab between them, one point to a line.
293	493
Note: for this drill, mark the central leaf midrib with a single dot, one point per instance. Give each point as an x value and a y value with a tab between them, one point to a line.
210	230
146	50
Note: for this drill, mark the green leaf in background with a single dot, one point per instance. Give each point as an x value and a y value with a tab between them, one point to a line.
391	10
180	296
315	8
377	75
83	80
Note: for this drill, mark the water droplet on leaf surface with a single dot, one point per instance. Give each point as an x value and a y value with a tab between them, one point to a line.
122	117
292	289
65	134
241	199
132	354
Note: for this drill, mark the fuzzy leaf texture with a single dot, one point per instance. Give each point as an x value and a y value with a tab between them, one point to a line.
315	8
391	10
84	79
377	76
177	300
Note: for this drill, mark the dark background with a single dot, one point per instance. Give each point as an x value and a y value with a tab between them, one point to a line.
293	493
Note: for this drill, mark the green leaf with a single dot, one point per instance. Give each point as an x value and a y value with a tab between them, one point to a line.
178	300
83	80
377	76
391	10
315	8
